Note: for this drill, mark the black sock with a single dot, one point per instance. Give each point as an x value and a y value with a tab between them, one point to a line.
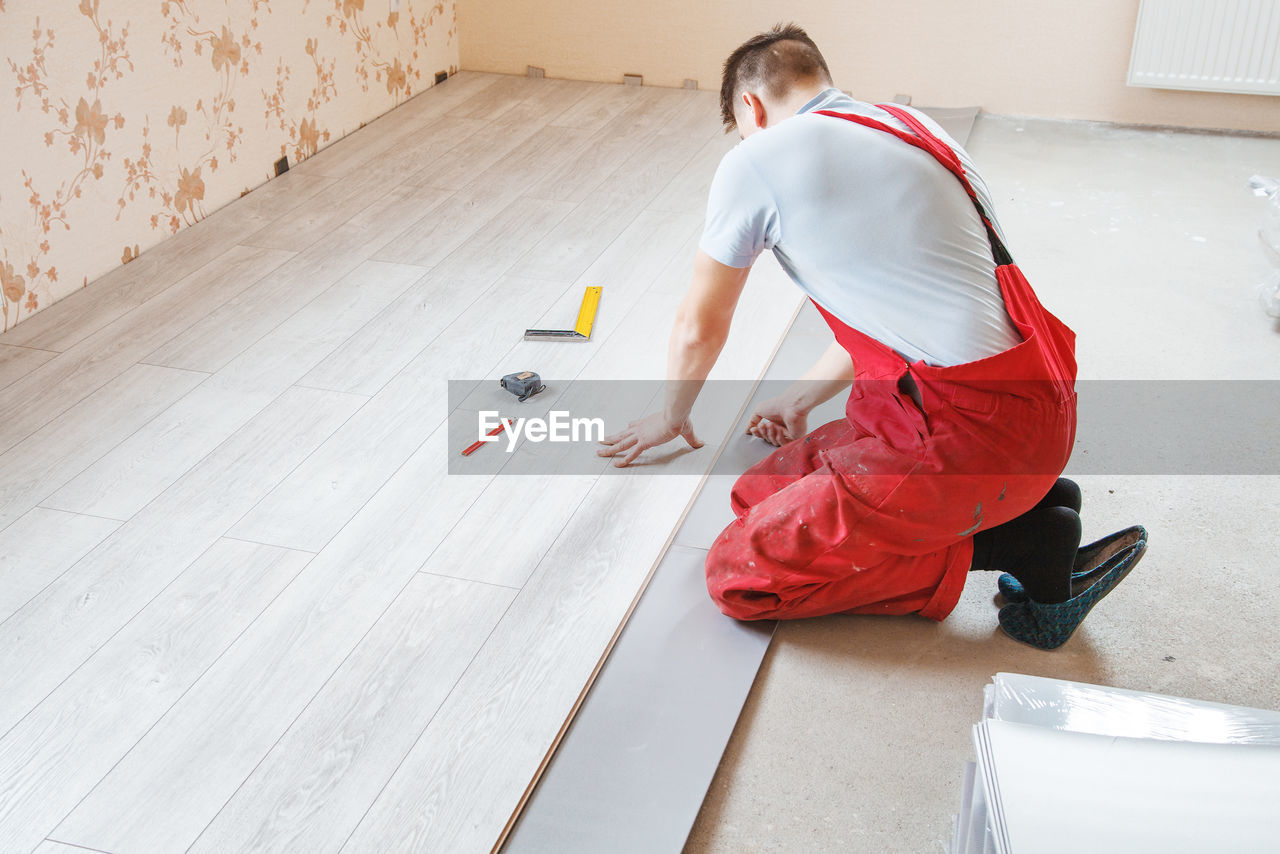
1064	493
1038	548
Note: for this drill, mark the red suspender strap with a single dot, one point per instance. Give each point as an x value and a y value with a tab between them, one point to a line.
937	147
924	140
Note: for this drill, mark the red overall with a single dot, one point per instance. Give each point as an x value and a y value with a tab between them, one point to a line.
875	513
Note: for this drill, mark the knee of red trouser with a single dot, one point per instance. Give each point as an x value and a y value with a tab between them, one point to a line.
789	463
732	589
749	490
762	480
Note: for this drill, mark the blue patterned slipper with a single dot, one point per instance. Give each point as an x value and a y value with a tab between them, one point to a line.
1089	559
1049	626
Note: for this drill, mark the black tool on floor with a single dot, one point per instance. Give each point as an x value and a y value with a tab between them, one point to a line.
523	385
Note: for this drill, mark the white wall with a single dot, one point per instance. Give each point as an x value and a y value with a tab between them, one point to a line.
1050	58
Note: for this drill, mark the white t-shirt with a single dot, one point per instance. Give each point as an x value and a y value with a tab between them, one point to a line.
876	231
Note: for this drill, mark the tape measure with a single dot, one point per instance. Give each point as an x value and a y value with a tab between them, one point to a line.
523	385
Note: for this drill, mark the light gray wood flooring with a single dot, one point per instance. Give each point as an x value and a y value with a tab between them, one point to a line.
244	604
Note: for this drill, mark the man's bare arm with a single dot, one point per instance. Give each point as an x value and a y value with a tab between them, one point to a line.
785	417
700	330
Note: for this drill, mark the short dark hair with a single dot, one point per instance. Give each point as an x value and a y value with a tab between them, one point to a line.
773	61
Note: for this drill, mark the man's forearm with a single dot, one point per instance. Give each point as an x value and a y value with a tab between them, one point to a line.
699	333
830	375
690	358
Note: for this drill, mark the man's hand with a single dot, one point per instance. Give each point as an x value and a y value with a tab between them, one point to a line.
641	435
779	420
785	418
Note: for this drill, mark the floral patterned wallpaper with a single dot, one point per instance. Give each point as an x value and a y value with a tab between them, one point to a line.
123	121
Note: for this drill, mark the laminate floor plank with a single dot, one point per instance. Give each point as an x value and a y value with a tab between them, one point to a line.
664	109
542	505
688	190
638	345
363	148
636	353
675	277
40	546
600	105
50	846
765	311
507	132
511	91
499	245
311	505
174	261
123	481
62	382
632	263
60	751
314	786
595	159
274	670
698	113
434	236
606	212
513	699
16	362
626	269
371	357
546	481
233	327
375	353
345	197
73	617
61	450
415	158
617	141
505	92
505	136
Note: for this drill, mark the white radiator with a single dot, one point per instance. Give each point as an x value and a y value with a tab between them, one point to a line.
1208	45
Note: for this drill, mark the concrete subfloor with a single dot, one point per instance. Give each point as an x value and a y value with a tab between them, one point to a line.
1145	242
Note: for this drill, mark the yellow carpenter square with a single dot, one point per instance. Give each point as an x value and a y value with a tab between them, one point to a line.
587	314
581	330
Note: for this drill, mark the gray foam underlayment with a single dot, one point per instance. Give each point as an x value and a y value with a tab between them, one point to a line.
634	766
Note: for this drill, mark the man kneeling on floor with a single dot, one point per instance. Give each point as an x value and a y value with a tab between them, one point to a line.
962	408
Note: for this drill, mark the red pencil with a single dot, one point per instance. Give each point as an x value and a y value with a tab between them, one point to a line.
475	446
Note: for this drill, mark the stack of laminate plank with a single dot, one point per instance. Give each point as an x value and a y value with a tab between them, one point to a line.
1068	767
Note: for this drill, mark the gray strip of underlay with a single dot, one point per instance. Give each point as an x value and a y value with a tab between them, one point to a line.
632	770
637	760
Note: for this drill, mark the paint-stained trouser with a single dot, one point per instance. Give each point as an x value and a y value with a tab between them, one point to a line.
875	513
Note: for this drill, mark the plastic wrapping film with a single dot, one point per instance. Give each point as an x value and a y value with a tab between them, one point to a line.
1079	707
1269	235
971	827
996	821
